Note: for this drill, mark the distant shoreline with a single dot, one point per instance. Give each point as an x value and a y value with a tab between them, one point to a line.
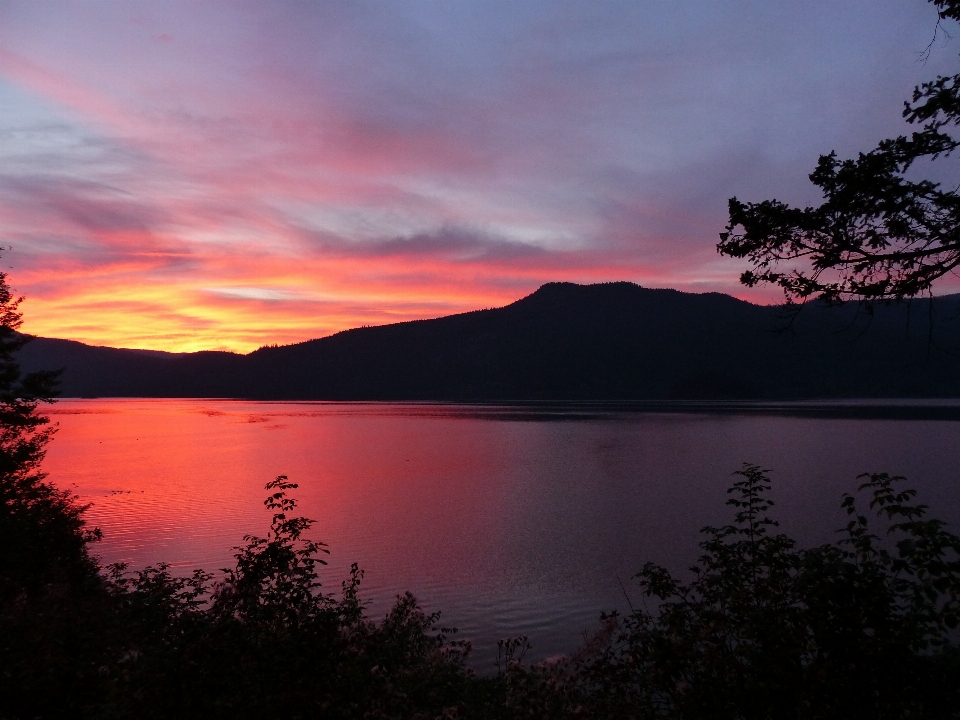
614	346
853	408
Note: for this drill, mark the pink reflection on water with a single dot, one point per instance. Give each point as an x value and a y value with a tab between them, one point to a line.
509	527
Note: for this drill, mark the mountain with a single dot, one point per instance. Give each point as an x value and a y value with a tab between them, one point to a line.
611	341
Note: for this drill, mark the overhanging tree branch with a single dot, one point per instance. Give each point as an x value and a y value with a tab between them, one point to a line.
877	235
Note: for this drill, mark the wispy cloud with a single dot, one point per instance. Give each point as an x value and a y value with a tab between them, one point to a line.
187	176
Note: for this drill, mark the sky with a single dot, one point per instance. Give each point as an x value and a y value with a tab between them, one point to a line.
224	175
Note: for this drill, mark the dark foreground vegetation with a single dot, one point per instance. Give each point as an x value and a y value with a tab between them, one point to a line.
862	628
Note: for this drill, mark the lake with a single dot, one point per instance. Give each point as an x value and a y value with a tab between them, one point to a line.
509	520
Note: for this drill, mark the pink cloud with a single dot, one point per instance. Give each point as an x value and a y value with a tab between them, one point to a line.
267	174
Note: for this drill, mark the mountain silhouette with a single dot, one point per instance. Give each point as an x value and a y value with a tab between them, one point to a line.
609	341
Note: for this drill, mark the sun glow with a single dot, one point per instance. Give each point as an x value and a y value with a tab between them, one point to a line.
181	190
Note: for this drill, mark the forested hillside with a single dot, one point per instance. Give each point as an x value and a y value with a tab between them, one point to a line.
613	341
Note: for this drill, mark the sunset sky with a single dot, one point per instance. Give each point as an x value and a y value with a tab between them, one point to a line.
203	175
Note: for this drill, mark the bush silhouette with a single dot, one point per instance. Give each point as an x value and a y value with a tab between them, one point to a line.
862	628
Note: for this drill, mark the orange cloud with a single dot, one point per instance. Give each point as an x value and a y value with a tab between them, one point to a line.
190	214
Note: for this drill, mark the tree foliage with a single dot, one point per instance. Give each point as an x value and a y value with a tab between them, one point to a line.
42	536
880	234
865	627
265	641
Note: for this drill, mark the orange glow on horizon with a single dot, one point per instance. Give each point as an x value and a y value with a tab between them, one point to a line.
270	232
253	301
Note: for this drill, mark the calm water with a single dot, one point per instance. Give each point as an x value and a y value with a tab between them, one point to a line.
507	523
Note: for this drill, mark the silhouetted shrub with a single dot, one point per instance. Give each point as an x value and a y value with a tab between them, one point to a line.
862	628
265	641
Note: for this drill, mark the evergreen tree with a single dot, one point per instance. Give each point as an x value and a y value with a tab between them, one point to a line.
42	535
878	235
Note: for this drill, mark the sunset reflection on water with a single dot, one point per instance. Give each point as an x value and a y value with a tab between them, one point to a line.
507	526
